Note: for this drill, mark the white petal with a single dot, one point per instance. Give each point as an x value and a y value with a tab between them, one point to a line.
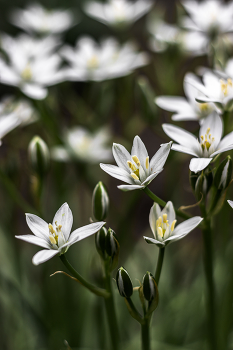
155	212
198	164
184	228
117	172
84	232
185	116
224	149
230	203
183	149
64	217
38	226
34	91
43	255
226	141
173	103
35	240
158	160
214	122
183	137
121	156
169	210
151	177
154	241
139	150
126	188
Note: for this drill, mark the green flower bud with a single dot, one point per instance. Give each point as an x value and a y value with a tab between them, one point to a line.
100	238
112	245
39	156
100	202
149	287
193	179
223	174
124	283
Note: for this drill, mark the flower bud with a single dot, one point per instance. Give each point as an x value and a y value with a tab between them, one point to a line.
223	174
149	287
100	202
203	184
111	245
124	283
39	156
100	238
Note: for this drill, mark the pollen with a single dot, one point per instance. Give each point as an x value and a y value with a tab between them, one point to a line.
225	86
163	226
173	225
26	74
136	160
147	163
134	176
207	140
52	239
51	229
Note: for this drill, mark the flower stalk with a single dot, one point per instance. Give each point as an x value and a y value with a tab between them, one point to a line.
159	265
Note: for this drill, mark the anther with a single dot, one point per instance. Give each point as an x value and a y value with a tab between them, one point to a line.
147	162
134	176
136	160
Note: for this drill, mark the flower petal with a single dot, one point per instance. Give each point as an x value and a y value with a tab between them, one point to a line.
151	177
185	116
84	232
229	148
117	172
126	188
34	91
198	164
158	160
183	149
230	203
184	228
139	150
121	156
154	241
214	122
170	211
173	103
35	240
64	218
38	226
155	212
226	141
43	255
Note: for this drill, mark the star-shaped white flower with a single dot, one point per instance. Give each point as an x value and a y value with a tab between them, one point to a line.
36	18
218	90
91	61
82	145
208	145
57	237
118	12
135	168
163	225
186	109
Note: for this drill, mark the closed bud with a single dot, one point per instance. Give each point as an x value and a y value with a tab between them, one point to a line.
193	179
100	238
100	202
149	287
39	156
223	174
124	283
112	245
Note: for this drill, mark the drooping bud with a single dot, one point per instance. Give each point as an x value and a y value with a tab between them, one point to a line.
124	283
223	174
149	287
100	202
100	238
39	156
112	247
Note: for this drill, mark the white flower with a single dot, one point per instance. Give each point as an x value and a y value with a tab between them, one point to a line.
218	90
186	109
163	223
208	145
118	12
30	71
56	237
209	17
36	18
91	61
136	169
81	144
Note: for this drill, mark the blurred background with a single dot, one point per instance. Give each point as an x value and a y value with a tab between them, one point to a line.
39	312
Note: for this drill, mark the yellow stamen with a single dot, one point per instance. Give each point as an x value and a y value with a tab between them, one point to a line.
131	165
160	221
51	229
58	228
134	176
52	239
164	218
147	162
160	231
136	160
173	225
27	73
207	131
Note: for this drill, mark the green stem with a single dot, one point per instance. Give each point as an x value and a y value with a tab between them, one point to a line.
162	203
208	267
110	310
146	334
159	265
96	290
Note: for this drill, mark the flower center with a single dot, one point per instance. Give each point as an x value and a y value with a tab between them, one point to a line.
93	62
225	85
162	224
26	74
56	236
204	107
135	167
207	140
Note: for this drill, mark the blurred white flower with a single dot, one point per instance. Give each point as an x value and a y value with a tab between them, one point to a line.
135	168
216	90
84	146
36	18
14	113
209	17
163	223
56	237
165	35
208	145
29	69
91	61
118	12
186	109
